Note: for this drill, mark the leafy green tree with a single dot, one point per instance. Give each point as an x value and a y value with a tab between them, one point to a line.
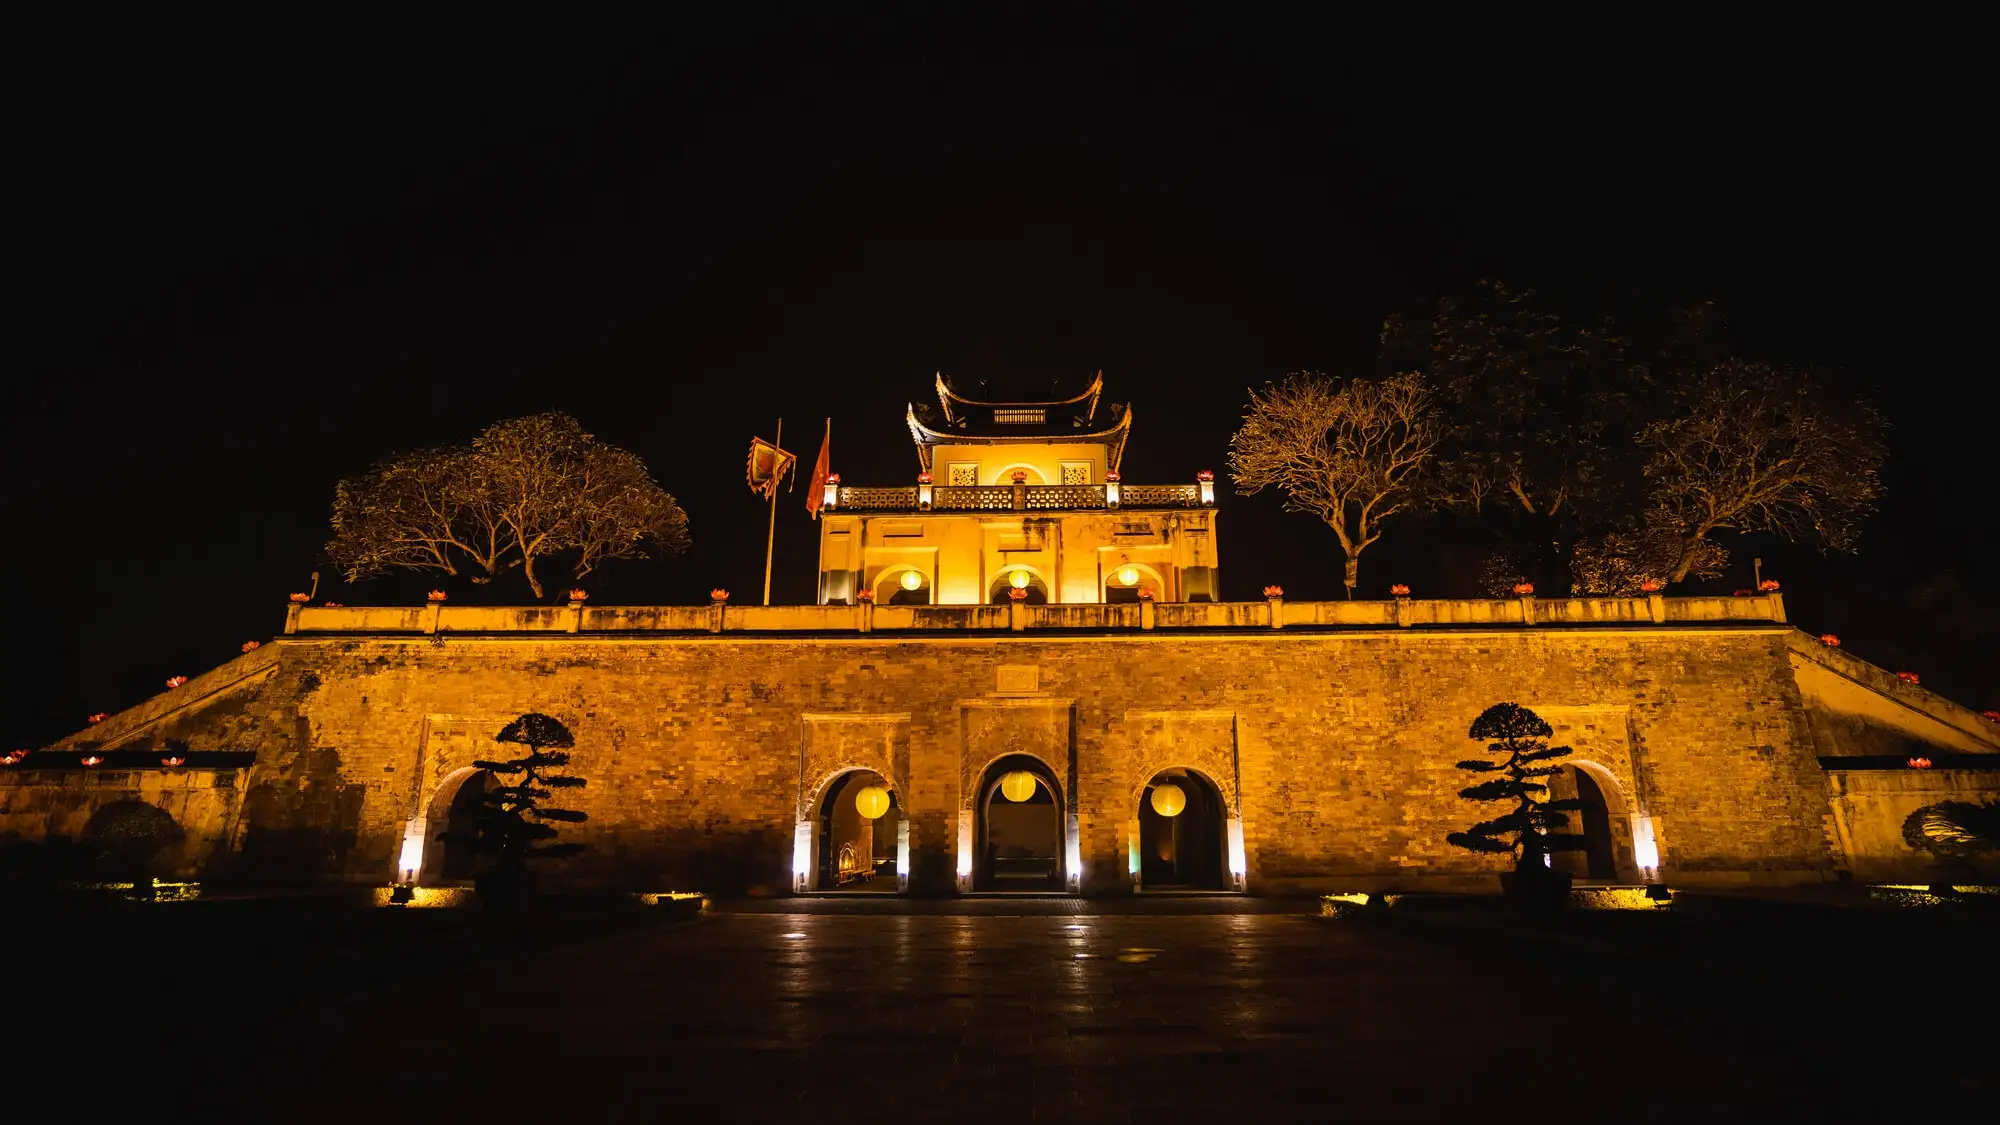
1536	416
513	826
1529	830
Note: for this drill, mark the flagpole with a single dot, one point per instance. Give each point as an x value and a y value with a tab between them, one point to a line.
771	536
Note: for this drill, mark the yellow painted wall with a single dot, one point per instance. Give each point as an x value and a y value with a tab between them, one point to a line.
996	462
961	555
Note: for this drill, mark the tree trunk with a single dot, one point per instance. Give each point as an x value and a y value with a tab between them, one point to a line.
1681	565
534	583
1353	575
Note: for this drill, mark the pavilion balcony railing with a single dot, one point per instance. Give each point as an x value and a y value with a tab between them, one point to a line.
1018	497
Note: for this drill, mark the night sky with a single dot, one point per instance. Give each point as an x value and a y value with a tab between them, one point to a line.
250	261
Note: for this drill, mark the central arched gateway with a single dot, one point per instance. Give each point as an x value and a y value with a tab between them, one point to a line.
1019	827
1182	832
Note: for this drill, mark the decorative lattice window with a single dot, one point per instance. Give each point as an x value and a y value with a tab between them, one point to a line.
1020	417
1076	472
964	476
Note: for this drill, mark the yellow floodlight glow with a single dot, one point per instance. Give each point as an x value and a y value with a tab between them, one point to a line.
412	859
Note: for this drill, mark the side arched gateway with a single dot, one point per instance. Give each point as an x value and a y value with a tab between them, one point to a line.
859	836
440	847
1606	823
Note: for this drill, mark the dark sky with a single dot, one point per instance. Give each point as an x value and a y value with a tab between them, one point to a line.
252	260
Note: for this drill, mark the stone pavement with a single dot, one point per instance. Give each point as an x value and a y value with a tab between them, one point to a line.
849	1013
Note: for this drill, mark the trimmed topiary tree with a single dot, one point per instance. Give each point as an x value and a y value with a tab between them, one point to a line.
1529	830
1954	831
513	825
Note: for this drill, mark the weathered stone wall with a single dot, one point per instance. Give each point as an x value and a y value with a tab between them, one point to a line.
703	753
205	805
1872	816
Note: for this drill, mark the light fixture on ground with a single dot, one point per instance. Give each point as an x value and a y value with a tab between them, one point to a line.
1017	786
912	580
871	801
1168	799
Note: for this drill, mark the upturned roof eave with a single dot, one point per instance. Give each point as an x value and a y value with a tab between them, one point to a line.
925	438
948	397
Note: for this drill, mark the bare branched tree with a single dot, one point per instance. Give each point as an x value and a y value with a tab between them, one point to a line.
619	510
1348	452
1756	447
413	511
526	489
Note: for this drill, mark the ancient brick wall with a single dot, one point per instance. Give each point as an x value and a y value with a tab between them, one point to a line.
205	807
1878	817
704	753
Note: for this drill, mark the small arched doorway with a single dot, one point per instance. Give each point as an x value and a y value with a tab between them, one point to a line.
1123	582
1034	591
1607	853
1018	828
903	586
1181	851
857	851
130	839
1029	475
451	855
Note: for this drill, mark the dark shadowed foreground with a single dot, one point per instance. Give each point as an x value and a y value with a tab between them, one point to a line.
1014	1012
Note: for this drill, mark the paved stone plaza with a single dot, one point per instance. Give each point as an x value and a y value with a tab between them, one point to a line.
1046	1011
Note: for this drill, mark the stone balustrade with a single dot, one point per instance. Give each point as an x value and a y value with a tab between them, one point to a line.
1272	613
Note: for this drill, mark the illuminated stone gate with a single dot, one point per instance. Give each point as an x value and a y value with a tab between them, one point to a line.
1005	718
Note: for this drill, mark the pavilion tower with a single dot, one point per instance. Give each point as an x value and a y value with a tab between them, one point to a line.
1018	495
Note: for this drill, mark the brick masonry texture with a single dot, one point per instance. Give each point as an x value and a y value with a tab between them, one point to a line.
702	753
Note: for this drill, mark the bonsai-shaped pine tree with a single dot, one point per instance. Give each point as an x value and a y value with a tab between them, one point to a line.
513	824
1520	738
1954	832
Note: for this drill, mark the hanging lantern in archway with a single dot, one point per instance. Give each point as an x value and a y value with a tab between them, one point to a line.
1128	576
871	801
1169	799
1018	786
1018	579
912	581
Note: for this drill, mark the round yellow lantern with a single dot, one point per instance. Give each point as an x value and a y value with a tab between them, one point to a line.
1018	786
872	801
912	580
1018	579
1128	576
1169	799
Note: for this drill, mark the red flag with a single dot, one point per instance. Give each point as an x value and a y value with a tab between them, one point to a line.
820	472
